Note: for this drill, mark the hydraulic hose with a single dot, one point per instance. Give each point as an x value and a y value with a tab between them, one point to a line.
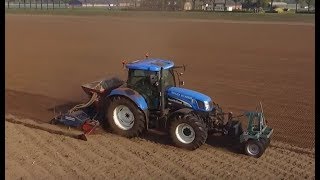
94	97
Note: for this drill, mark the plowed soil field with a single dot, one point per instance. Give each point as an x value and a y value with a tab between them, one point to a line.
237	64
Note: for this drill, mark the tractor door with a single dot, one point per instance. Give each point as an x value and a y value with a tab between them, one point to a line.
145	83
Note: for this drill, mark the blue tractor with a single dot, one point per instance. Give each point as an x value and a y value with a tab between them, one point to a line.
152	98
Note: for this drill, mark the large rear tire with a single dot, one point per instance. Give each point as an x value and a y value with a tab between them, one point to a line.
125	118
188	131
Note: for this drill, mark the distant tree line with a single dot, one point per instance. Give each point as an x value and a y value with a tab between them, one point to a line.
173	4
265	3
162	4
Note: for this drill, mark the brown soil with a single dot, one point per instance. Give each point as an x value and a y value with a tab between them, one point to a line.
238	65
106	156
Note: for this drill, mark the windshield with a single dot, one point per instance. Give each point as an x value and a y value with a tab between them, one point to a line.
168	78
138	77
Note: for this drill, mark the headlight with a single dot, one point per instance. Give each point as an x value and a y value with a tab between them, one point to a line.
204	105
207	106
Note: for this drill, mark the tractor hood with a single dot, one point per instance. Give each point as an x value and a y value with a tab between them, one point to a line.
189	98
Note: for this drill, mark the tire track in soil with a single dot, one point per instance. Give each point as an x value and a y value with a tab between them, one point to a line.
124	156
180	171
104	160
193	156
63	148
287	147
223	162
196	161
146	155
294	165
226	159
103	153
189	161
18	167
57	148
138	155
37	149
108	157
90	157
205	165
247	162
275	163
203	162
269	159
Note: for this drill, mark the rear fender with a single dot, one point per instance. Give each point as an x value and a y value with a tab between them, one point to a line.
135	97
131	94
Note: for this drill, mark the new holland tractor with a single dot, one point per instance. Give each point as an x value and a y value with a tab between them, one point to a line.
151	98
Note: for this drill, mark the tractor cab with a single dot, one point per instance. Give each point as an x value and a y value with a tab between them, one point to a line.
157	80
148	76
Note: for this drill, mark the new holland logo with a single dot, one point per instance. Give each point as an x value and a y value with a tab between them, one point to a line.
179	102
70	118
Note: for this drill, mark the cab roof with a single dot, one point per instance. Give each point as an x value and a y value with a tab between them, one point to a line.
150	64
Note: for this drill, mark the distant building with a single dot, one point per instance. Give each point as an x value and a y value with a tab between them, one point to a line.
221	5
278	5
74	3
187	6
112	3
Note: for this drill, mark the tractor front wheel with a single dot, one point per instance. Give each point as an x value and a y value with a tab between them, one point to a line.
125	118
254	148
188	131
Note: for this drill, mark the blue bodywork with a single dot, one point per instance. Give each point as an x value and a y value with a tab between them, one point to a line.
189	98
133	95
150	64
74	119
177	96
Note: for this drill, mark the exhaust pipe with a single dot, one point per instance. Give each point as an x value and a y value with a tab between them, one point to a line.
162	103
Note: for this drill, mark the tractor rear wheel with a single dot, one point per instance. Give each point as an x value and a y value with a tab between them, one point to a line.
254	148
125	118
188	131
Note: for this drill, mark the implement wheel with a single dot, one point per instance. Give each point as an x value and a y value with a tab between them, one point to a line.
125	118
254	148
188	131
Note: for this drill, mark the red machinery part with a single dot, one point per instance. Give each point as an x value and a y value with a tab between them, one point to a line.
88	126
